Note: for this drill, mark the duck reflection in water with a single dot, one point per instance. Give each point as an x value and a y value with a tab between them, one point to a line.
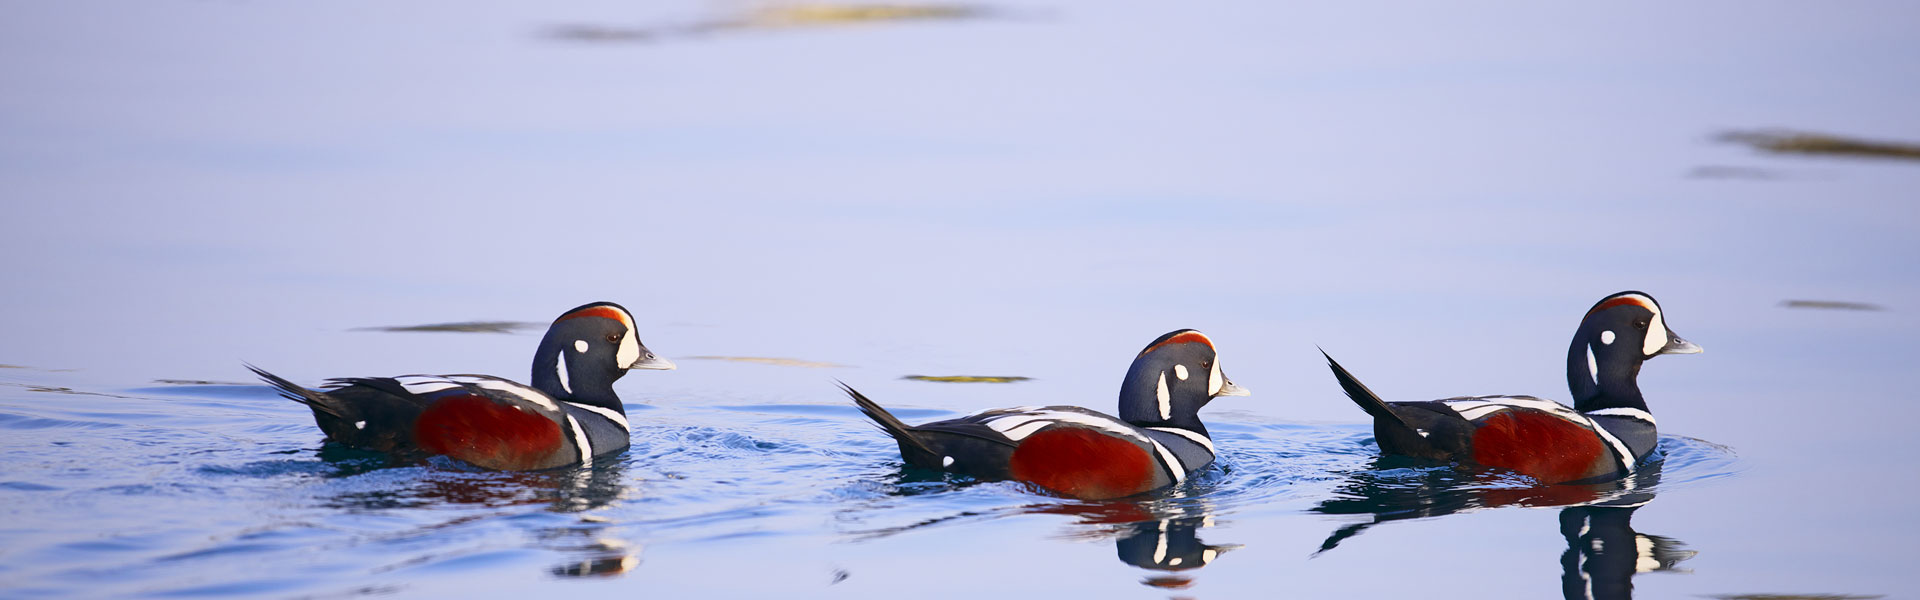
1158	536
589	545
1603	551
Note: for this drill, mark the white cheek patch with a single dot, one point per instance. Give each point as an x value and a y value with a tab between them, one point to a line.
1656	335
1606	338
1215	380
1166	399
629	351
580	346
1180	371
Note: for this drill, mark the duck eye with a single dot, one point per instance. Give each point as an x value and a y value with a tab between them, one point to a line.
614	338
1640	324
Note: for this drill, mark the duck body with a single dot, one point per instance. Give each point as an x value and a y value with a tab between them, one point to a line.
1605	435
569	416
1157	441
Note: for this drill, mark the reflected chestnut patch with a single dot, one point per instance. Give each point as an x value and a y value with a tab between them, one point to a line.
1603	552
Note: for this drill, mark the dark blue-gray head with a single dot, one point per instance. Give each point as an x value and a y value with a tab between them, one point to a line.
1172	379
586	350
1619	333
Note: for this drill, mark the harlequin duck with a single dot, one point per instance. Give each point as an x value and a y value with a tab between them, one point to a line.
1157	440
1604	436
569	416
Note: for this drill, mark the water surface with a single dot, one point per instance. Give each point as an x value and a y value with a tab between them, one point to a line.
1431	194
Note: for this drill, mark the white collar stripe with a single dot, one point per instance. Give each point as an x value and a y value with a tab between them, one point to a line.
1626	412
1191	435
610	414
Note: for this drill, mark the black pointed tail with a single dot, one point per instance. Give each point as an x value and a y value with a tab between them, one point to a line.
1360	395
900	431
319	402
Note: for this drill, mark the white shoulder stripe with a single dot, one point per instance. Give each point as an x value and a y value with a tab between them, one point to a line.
580	440
1191	435
1171	462
610	414
1620	450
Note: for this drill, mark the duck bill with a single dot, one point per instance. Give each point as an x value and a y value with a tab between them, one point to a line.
1678	345
1232	389
652	362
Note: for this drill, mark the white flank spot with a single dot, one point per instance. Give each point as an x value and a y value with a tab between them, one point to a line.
1593	367
580	346
580	439
629	351
946	461
1215	380
1180	371
1656	334
560	368
1599	545
1191	435
1606	337
1423	432
1206	556
359	424
1631	413
1175	562
610	414
1166	399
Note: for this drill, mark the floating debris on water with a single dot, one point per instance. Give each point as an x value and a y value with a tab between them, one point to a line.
1795	142
776	17
462	327
968	378
195	382
778	362
1830	305
1725	172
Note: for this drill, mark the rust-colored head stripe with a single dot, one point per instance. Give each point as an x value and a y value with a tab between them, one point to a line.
1627	300
1184	337
606	312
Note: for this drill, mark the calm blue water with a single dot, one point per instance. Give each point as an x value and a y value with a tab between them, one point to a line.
1432	194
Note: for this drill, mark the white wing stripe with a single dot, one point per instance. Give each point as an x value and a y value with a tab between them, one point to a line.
1026	429
1025	424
